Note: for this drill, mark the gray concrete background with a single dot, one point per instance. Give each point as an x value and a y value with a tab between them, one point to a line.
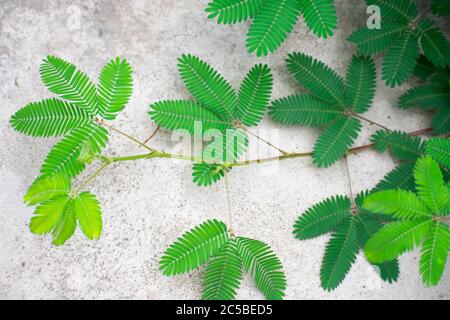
148	204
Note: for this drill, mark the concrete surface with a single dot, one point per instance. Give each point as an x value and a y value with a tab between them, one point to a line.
148	204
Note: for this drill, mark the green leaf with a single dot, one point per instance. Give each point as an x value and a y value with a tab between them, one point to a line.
55	216
233	11
264	266
396	238
426	97
87	154
320	16
88	212
441	121
441	79
372	41
402	177
47	187
430	186
254	95
399	10
400	60
304	110
223	274
389	270
322	218
423	26
62	78
436	47
401	204
115	88
206	174
226	148
207	86
335	141
194	248
440	7
63	157
424	68
434	254
186	115
361	83
340	254
402	145
439	150
275	20
49	118
318	78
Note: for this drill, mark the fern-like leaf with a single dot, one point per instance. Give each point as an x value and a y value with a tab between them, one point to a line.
398	10
63	157
207	86
372	41
223	274
89	215
402	177
436	47
401	204
186	115
426	96
434	253
264	266
305	110
439	150
340	254
49	118
194	248
206	174
318	78
55	216
402	145
361	83
322	218
275	20
440	7
441	121
396	238
233	11
254	95
335	141
62	78
430	186
47	187
424	68
226	148
400	60
115	88
320	16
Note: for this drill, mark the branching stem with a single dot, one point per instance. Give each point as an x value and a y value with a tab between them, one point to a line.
230	214
371	121
263	140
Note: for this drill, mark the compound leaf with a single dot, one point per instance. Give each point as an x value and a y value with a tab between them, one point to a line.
254	95
62	78
264	266
436	47
194	248
320	16
275	20
402	177
233	11
340	254
205	174
305	110
88	212
223	274
115	88
441	121
440	7
207	86
47	187
426	96
439	150
322	218
402	145
361	83
49	118
335	141
318	78
399	10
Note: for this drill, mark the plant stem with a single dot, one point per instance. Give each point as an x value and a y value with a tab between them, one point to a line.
371	121
350	186
151	136
126	135
265	141
92	177
230	214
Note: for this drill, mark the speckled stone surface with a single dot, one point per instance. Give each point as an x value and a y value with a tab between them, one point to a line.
148	204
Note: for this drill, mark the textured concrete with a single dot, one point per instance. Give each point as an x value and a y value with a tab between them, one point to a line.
148	204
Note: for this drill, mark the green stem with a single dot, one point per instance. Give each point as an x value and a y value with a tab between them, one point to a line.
92	177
